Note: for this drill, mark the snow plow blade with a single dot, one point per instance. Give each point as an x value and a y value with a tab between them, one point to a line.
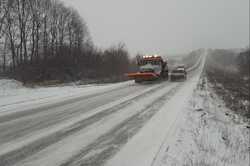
138	77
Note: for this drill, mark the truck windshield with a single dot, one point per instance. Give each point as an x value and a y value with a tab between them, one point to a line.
178	71
144	62
150	68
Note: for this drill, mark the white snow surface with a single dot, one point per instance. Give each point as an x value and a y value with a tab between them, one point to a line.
14	96
22	141
58	153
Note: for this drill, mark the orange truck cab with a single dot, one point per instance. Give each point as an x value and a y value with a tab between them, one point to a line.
150	68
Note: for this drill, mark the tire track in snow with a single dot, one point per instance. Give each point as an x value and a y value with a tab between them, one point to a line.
31	123
29	112
20	153
107	145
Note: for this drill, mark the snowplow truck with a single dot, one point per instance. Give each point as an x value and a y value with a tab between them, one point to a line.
150	68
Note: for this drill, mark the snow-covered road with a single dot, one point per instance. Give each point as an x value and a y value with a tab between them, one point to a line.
92	125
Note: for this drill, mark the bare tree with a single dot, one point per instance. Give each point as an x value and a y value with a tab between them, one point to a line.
44	39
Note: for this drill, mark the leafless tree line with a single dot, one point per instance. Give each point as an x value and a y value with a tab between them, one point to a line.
36	29
43	39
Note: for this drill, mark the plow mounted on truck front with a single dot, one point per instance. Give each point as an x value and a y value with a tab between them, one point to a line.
139	77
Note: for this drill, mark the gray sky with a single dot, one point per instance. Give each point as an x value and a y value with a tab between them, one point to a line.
166	26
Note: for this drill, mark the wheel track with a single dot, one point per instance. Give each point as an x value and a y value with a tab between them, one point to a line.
22	126
21	153
111	142
40	109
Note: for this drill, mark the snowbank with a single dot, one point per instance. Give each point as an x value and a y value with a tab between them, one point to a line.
13	95
9	85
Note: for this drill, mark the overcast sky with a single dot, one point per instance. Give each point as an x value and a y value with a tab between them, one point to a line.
166	26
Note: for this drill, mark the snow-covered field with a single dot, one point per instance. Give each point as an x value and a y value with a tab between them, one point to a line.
122	124
207	133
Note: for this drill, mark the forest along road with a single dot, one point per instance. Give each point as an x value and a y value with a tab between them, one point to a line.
84	130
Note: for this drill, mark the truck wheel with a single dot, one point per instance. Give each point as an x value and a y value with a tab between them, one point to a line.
138	81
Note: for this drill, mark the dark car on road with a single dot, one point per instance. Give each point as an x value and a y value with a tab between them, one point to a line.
178	74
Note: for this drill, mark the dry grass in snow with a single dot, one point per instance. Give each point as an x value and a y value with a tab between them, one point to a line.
209	134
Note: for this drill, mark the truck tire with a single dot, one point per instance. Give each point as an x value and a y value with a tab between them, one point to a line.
138	81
